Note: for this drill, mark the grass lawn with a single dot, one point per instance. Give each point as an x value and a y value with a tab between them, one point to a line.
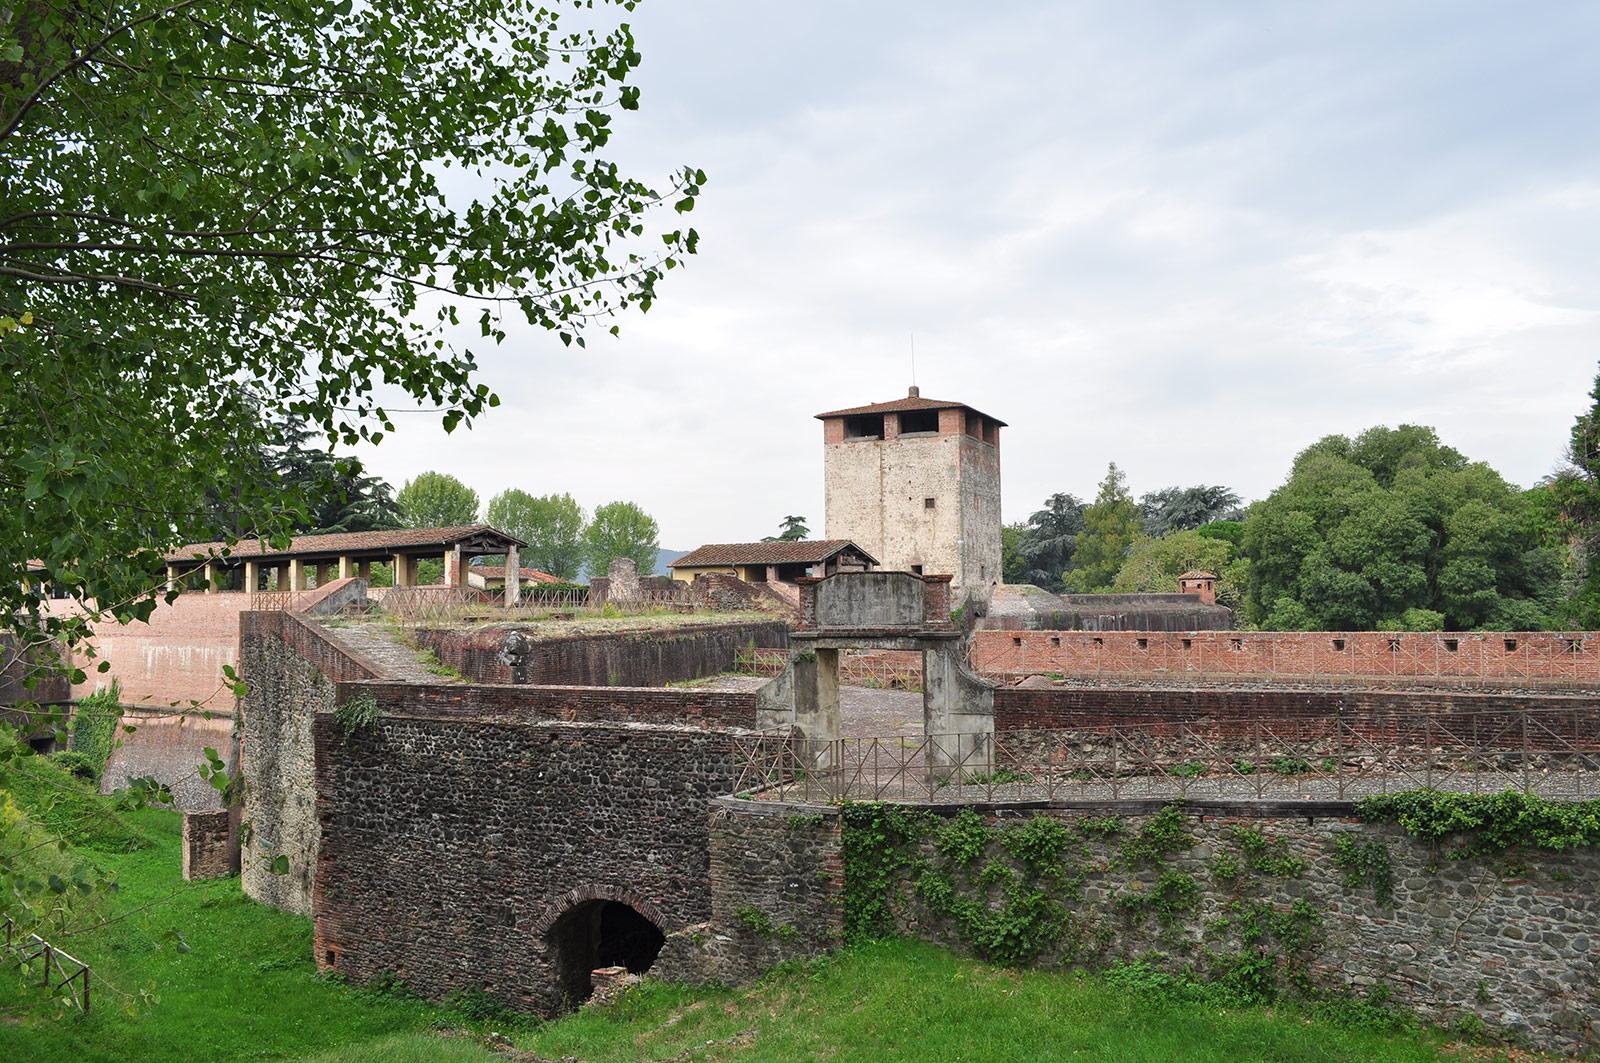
240	985
245	989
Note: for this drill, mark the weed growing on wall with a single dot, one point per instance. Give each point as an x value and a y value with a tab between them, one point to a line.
356	714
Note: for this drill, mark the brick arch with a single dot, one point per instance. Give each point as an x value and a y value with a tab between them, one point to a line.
599	892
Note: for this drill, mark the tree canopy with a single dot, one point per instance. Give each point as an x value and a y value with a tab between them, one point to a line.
1367	529
1568	509
1045	546
551	525
1110	525
621	529
437	500
790	529
1186	508
219	213
1154	565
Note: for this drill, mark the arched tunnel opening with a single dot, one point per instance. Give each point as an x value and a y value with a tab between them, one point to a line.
601	934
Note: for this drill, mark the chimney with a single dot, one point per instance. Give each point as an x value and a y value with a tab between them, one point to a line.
1203	585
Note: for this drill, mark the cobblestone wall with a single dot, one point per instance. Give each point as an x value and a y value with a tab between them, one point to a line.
285	690
776	880
451	849
1261	899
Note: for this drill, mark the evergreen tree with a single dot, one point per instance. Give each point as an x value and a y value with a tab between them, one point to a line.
1111	524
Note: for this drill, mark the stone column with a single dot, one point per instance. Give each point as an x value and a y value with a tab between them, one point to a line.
957	715
513	578
172	577
402	572
252	576
297	574
347	568
210	576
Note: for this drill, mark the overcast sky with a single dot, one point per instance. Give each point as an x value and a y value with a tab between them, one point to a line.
1188	238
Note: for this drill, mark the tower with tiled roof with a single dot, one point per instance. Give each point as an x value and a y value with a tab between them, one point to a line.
916	483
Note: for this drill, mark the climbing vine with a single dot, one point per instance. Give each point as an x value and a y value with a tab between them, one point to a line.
1365	863
1494	822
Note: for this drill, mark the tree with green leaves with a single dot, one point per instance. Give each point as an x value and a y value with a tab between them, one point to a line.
334	491
1389	530
621	529
791	529
1185	508
1154	565
1110	526
551	525
437	500
1565	514
224	214
1044	550
219	213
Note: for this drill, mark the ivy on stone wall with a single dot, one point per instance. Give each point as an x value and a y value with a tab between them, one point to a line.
1493	823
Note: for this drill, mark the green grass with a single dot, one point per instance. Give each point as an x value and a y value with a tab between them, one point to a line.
905	1000
246	989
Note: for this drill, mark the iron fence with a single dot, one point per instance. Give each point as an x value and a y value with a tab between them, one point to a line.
22	950
1551	753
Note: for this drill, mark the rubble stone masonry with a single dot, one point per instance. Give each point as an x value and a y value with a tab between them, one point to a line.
451	848
1512	940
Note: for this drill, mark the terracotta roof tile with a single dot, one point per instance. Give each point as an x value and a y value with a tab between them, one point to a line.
792	552
1195	573
352	542
902	405
524	574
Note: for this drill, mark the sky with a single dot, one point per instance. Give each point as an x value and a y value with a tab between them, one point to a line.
1189	238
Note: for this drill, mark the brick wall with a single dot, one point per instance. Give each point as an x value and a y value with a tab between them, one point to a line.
1507	658
1234	713
50	687
210	845
175	658
506	654
450	849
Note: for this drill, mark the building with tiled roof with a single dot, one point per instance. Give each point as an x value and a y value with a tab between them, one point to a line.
493	577
916	482
252	564
776	561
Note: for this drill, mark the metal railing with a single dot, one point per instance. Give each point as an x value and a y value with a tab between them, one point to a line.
1552	754
22	949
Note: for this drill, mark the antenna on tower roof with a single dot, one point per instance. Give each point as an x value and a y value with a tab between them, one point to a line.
914	392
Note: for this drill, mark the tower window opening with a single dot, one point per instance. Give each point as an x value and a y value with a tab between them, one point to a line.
915	421
929	503
864	426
